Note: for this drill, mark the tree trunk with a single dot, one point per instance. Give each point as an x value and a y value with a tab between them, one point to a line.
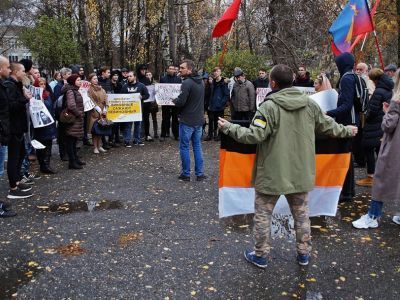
172	31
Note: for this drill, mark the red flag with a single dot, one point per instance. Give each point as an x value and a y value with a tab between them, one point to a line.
224	24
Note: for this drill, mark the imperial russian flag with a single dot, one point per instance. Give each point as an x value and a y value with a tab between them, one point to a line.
236	194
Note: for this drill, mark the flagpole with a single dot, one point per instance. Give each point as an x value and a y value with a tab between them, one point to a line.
376	37
221	58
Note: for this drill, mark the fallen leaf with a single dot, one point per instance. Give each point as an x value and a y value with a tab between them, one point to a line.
342	278
193	293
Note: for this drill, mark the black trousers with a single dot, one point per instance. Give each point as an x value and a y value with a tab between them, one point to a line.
85	125
358	149
61	140
44	155
16	154
370	157
70	142
242	115
114	138
169	112
348	190
147	111
213	122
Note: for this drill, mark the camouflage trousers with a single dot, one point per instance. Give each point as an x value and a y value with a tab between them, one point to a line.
264	205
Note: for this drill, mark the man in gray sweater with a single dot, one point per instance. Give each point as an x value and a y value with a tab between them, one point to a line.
191	120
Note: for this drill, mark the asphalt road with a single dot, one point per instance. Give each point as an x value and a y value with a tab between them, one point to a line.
124	227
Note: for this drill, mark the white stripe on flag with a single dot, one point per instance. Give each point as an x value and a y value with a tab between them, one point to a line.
323	201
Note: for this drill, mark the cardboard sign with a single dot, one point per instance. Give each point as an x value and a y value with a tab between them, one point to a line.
88	103
166	92
261	94
327	100
124	107
39	113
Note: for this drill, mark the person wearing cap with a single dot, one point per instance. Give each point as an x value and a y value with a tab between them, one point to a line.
124	76
390	70
74	103
243	100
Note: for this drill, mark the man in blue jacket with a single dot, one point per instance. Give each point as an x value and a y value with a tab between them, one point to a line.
191	119
345	112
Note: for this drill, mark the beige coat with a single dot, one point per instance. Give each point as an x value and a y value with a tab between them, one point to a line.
99	97
386	187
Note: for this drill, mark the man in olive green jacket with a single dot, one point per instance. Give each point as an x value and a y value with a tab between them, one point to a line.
284	129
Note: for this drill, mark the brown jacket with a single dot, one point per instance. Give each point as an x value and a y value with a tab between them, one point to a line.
99	97
75	106
386	187
243	97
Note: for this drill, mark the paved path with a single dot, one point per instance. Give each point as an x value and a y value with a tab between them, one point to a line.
149	236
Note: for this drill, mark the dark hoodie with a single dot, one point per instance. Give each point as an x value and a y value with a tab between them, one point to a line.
142	78
347	91
372	132
191	100
136	87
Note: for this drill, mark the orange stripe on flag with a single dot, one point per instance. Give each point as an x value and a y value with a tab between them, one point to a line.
331	169
235	169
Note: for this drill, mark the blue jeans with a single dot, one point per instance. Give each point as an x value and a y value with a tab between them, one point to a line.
127	133
375	209
187	134
3	153
136	131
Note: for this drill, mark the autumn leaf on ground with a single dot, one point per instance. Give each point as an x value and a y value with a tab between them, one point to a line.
127	238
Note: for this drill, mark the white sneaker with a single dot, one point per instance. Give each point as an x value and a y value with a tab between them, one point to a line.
102	150
365	222
96	151
396	219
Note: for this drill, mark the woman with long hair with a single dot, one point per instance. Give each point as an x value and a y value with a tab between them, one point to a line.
385	187
99	97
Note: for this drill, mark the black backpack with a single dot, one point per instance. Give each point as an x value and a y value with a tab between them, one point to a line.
362	97
59	107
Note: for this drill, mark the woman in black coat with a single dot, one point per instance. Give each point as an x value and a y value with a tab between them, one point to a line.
372	132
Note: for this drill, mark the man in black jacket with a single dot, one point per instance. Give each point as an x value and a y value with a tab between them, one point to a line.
5	207
17	99
168	111
191	103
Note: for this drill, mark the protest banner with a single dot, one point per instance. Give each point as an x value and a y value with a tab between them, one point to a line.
88	103
37	92
261	94
166	92
39	113
327	100
152	92
306	90
124	107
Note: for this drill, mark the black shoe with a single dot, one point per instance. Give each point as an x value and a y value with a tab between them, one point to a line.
344	199
116	145
6	206
162	139
156	136
48	170
18	194
184	178
24	187
74	166
106	147
87	143
81	163
208	138
64	158
201	177
7	213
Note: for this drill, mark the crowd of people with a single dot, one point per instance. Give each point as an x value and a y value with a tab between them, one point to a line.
368	109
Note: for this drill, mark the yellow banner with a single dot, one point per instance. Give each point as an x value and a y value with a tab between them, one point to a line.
124	107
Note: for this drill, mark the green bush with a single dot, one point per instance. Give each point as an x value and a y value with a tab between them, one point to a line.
243	59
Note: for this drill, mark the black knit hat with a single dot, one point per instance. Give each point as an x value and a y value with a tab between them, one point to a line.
27	63
71	79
